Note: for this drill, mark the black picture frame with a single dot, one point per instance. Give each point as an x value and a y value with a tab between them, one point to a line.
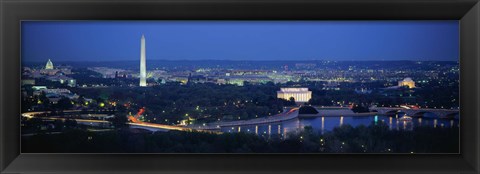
13	11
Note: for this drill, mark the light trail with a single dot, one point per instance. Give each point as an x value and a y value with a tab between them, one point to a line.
138	123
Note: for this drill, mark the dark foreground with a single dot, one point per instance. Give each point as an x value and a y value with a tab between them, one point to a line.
344	139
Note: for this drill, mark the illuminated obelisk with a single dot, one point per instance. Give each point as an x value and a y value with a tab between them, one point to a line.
143	68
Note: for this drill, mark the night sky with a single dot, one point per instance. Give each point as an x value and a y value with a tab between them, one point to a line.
240	40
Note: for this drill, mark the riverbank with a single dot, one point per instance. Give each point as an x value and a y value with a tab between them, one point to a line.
365	114
292	114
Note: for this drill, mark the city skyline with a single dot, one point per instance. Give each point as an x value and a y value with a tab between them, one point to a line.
95	101
242	41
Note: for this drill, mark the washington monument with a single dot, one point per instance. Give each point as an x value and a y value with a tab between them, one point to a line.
143	68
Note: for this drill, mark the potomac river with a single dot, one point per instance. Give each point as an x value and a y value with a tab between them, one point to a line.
326	120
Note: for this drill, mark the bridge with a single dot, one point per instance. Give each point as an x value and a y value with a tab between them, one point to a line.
442	113
290	114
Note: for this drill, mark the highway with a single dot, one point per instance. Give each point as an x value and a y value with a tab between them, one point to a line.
32	115
146	125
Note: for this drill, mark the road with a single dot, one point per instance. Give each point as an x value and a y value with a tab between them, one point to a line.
291	114
138	124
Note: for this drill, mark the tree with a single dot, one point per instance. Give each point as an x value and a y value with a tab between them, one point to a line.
291	101
360	109
64	104
70	123
58	125
120	118
42	98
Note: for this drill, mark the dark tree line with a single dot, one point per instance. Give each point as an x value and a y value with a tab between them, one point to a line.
344	139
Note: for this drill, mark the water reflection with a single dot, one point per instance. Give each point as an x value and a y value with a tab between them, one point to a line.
323	124
390	123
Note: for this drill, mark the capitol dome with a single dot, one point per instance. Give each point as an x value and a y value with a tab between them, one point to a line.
408	79
49	64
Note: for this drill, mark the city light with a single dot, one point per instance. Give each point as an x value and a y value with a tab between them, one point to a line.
195	101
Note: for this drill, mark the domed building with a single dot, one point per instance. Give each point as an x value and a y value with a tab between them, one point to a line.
407	82
49	64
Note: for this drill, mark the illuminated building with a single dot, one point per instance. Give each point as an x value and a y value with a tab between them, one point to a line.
63	80
363	91
248	72
221	81
331	86
304	66
143	68
36	88
183	79
28	81
111	72
50	70
54	95
299	94
49	64
407	82
283	78
254	79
